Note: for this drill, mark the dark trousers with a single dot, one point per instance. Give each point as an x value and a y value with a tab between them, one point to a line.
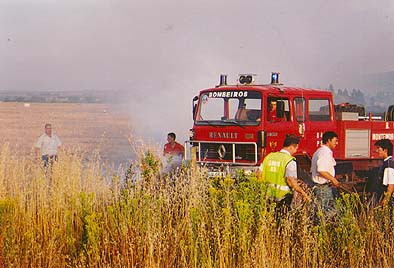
281	206
48	159
325	196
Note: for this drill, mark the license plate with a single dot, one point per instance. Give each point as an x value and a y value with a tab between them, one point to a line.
216	174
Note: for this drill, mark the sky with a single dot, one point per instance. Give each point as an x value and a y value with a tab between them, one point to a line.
161	53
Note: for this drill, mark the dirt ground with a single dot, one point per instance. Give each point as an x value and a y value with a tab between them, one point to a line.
87	127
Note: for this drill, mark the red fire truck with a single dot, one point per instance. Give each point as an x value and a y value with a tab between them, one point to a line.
235	126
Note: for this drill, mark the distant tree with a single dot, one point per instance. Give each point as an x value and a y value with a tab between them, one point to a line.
357	97
331	88
342	96
345	93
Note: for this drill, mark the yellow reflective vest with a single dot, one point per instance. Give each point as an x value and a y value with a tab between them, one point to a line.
274	170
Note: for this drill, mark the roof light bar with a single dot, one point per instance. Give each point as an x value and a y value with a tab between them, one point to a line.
275	78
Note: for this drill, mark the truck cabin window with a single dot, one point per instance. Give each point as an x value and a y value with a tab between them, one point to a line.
272	114
229	108
299	109
319	110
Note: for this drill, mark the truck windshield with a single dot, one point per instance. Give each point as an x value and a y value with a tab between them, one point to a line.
235	107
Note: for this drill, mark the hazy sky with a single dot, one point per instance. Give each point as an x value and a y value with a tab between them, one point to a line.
164	51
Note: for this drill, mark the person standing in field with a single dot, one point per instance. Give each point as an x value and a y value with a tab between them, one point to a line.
385	189
47	145
279	172
173	153
323	174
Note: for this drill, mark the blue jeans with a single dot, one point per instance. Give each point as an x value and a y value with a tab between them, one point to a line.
48	159
325	200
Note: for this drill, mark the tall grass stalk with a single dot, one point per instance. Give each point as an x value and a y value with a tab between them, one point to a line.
73	216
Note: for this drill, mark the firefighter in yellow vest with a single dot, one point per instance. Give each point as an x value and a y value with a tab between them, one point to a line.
279	172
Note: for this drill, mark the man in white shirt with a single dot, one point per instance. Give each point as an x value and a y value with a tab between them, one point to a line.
385	190
47	146
323	174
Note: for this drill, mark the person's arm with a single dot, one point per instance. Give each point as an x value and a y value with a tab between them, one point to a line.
259	173
182	152
329	177
165	150
291	179
388	194
37	147
292	182
60	146
58	143
388	179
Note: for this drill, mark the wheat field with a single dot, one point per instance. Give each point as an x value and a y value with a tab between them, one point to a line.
85	127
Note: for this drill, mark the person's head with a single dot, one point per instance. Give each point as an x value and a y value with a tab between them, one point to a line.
48	129
291	143
330	139
171	137
384	148
273	105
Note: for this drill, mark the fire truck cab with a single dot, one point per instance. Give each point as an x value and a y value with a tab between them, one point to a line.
235	126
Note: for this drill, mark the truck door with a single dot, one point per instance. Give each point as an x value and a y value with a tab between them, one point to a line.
277	127
319	119
300	115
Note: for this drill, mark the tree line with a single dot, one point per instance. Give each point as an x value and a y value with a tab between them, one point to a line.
376	101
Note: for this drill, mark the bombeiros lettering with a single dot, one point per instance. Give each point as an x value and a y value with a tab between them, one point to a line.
228	94
379	136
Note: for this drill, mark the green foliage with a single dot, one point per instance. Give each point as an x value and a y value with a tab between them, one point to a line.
79	221
150	165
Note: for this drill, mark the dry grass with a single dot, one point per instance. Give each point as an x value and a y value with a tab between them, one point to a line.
74	217
87	127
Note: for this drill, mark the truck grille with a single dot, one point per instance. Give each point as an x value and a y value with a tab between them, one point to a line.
239	153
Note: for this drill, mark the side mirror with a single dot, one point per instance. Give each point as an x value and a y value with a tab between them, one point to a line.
280	109
194	104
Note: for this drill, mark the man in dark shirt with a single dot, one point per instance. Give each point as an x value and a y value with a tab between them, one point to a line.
385	184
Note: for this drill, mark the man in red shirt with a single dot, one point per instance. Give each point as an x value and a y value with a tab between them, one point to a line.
173	153
272	113
172	147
